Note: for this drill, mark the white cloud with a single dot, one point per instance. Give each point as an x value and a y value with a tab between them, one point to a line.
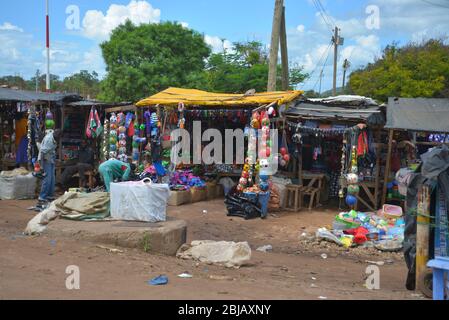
99	26
184	24
6	26
301	28
217	43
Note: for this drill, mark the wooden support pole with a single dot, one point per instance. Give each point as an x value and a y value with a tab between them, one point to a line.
274	49
284	54
422	236
388	165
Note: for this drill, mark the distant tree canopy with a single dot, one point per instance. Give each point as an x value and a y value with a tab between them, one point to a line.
83	83
415	70
143	60
146	59
243	67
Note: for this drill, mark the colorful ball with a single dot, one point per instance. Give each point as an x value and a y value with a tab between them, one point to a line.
255	124
353	189
283	151
286	157
351	200
50	124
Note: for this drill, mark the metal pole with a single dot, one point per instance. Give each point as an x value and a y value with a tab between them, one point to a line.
346	66
321	79
48	45
336	42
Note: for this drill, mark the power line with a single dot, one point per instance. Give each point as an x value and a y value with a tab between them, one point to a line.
329	17
322	69
318	64
323	15
435	4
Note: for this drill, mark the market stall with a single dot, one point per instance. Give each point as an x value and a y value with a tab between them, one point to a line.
335	137
198	110
417	171
23	115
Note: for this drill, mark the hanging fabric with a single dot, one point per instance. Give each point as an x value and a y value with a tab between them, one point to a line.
94	128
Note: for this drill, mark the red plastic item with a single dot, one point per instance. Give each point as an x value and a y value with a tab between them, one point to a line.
359	234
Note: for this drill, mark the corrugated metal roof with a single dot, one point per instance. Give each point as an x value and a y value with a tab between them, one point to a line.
369	115
418	114
7	94
92	103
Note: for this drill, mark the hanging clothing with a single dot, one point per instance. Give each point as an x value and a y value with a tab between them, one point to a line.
22	151
94	127
362	144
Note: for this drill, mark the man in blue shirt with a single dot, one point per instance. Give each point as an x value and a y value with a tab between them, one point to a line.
47	158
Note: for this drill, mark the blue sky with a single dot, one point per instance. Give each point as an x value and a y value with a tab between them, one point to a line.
23	35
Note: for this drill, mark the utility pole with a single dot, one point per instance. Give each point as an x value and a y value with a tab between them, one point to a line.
274	49
338	41
284	54
321	79
346	66
47	18
38	74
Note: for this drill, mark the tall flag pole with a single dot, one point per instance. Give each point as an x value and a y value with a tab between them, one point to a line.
48	46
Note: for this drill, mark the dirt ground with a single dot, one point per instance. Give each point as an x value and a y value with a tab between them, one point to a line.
34	267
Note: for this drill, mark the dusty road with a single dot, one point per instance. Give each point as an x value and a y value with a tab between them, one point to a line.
34	267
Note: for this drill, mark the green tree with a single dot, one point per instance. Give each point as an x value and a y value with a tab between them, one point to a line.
83	83
143	60
13	81
415	70
243	67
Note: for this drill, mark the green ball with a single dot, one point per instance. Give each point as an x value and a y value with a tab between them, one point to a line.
50	124
353	189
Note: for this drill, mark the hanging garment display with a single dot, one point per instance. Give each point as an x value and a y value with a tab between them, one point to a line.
94	127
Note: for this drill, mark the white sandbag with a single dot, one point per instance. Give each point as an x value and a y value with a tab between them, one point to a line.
39	223
17	187
139	201
229	254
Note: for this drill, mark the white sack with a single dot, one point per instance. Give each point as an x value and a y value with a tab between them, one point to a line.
229	254
17	187
139	201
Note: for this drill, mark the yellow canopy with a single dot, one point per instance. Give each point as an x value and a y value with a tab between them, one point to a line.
191	97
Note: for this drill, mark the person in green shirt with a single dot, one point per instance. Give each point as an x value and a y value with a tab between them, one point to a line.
114	169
